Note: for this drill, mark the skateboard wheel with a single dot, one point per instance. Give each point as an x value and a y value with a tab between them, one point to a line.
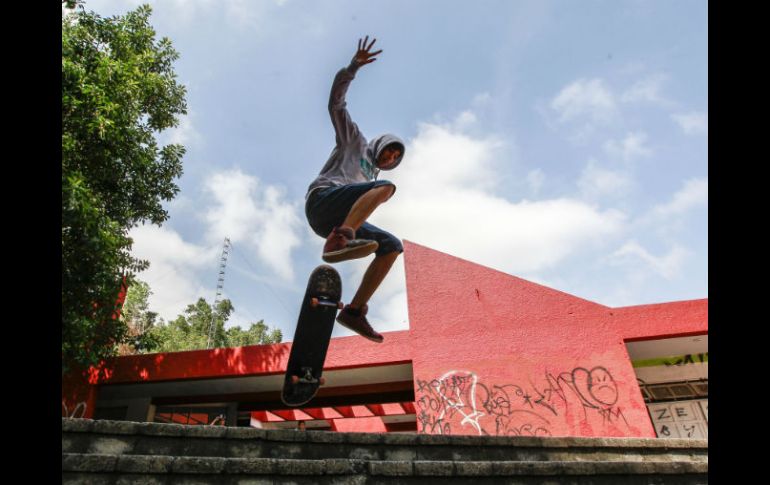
294	379
314	302
322	380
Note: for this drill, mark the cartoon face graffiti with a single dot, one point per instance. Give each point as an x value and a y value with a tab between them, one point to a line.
602	386
597	388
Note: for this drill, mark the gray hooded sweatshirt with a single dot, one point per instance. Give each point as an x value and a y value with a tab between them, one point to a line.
353	158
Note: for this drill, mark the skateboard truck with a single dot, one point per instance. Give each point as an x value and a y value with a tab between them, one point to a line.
307	378
314	302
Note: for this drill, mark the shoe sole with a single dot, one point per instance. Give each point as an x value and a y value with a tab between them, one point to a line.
350	253
379	341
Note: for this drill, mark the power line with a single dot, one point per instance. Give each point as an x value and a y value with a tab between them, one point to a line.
288	312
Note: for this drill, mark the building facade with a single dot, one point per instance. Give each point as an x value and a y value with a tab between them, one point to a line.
485	353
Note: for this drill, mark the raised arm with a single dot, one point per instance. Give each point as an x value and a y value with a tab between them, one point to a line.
363	56
344	127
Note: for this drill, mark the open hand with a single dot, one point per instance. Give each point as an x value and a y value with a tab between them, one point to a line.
363	56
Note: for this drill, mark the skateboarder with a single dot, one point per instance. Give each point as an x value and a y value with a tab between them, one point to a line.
346	192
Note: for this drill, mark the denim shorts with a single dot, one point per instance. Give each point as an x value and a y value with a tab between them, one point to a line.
327	208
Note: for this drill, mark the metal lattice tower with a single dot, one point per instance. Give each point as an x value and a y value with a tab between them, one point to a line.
220	286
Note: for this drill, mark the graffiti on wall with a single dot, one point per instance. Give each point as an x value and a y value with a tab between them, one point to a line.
688	359
458	399
678	361
77	412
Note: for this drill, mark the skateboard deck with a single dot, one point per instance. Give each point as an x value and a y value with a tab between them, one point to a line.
312	335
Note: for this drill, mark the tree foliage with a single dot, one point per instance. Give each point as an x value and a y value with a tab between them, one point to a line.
139	320
118	91
191	330
258	333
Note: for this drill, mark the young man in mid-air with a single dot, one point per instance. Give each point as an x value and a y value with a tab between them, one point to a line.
346	192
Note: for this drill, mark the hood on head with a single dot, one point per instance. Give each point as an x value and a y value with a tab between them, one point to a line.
376	145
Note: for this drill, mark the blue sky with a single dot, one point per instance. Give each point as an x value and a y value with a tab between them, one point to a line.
562	142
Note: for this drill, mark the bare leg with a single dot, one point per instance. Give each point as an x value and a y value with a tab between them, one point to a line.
374	275
366	204
381	265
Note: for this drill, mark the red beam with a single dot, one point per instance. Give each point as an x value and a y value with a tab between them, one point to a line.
322	413
315	413
345	411
286	414
272	418
260	416
393	409
382	392
301	415
362	412
408	407
376	409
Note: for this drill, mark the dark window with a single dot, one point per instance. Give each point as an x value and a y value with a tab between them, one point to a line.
113	414
196	416
672	391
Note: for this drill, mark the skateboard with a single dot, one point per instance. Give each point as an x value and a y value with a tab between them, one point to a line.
311	338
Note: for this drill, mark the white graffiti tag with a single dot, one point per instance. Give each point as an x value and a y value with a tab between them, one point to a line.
459	384
78	412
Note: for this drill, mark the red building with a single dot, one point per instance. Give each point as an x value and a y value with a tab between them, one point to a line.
486	353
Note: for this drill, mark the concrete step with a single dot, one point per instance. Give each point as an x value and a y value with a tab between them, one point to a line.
122	438
96	469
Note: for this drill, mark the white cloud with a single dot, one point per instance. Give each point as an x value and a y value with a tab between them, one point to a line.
388	307
535	179
465	120
662	222
669	266
596	182
629	148
583	98
693	194
183	134
68	13
181	203
632	68
693	123
446	200
251	214
395	314
637	262
173	265
243	14
442	156
255	215
481	100
646	90
513	237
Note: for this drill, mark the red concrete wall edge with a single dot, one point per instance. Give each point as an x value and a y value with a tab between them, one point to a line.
498	355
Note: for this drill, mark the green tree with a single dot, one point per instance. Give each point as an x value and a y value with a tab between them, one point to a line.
257	334
139	320
136	311
191	330
118	91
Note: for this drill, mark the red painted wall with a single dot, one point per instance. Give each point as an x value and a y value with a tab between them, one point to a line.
78	396
359	425
491	353
344	352
499	355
